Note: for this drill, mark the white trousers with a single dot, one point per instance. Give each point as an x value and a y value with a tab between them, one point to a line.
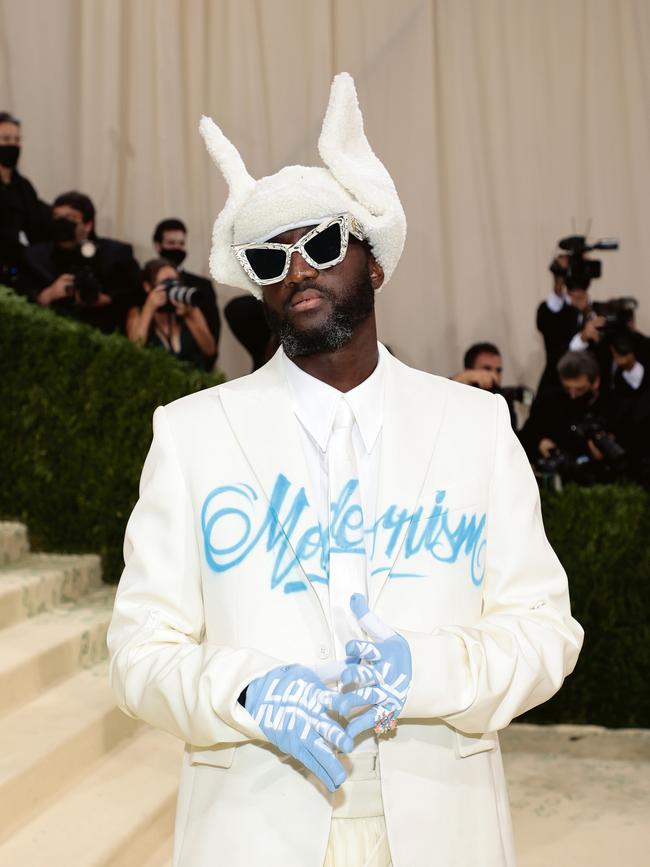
358	843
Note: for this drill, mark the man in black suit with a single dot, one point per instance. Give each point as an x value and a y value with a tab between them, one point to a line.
562	420
169	241
24	218
566	320
95	280
631	397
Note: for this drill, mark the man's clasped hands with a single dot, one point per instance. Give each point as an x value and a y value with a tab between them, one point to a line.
292	705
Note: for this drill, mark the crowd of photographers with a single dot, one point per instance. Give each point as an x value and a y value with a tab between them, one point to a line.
590	419
52	255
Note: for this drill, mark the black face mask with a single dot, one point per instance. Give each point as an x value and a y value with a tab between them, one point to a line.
63	229
9	155
582	403
173	255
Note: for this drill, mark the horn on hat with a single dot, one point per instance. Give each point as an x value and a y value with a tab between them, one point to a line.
240	185
346	152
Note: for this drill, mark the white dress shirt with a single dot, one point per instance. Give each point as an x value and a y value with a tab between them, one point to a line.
634	376
315	404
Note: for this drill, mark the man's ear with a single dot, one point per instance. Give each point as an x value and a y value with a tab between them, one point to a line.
376	272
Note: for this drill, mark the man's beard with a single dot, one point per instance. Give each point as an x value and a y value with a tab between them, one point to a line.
337	330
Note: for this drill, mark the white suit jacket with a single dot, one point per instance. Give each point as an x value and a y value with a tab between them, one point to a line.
222	553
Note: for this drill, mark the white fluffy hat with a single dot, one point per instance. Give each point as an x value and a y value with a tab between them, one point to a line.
353	180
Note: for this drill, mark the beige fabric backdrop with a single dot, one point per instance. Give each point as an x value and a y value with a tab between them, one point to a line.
500	121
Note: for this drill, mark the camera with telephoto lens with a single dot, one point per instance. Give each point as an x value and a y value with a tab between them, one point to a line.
578	465
581	271
86	286
591	428
618	313
179	294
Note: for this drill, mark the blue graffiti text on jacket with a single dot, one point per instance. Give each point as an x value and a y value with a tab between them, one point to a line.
234	525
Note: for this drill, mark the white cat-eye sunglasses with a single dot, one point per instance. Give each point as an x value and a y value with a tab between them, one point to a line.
322	247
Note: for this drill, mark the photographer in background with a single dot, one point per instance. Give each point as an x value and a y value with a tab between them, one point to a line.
575	423
24	218
169	241
95	280
565	318
171	318
631	397
483	368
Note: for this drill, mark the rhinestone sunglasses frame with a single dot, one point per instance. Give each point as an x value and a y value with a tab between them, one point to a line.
349	225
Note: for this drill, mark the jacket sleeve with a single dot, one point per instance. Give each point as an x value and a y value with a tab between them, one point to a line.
161	669
478	678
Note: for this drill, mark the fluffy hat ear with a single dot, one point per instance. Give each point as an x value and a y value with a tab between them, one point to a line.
223	266
226	157
345	150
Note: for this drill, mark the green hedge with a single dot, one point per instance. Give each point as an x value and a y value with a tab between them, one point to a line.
602	536
76	426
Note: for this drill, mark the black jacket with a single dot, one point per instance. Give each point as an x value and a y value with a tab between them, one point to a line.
20	211
554	413
113	267
207	300
557	329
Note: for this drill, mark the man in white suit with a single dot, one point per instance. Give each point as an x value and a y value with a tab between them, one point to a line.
337	584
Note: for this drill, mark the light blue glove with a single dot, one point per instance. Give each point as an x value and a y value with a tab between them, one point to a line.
290	704
380	669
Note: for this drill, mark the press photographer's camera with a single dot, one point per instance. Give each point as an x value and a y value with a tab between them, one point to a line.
618	313
86	286
591	428
179	294
581	271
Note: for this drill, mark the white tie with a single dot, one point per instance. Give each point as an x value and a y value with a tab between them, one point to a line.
347	561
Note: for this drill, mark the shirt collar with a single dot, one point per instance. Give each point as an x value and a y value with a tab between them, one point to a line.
315	402
634	376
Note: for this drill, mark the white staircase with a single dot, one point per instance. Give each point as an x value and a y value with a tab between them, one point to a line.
81	784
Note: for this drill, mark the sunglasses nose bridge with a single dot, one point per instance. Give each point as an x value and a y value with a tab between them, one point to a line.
299	267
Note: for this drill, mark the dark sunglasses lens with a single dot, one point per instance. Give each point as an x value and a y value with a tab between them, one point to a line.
326	245
267	264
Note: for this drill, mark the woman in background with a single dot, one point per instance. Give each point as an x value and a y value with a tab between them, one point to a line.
169	319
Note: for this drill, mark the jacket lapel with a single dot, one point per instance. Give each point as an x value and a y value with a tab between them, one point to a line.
414	406
259	411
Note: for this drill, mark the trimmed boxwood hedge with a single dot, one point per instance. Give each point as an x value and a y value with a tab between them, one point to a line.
602	537
76	425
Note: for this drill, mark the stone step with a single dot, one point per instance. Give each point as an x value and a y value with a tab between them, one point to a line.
51	741
36	582
162	857
120	812
14	543
37	653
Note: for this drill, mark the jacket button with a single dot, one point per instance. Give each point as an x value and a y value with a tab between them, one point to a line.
324	651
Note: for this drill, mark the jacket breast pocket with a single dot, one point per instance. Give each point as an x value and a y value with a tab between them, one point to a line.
218	756
470	745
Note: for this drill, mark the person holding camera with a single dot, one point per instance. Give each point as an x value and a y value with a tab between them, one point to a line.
171	318
95	280
483	368
170	242
565	318
631	396
575	422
